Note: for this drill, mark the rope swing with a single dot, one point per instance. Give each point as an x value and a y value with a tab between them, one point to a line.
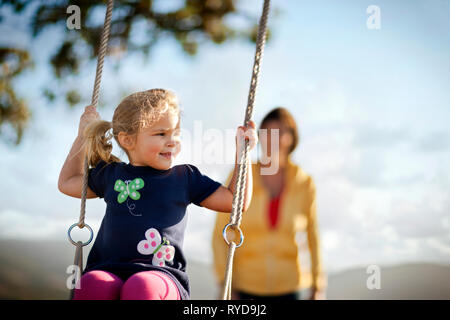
236	212
78	260
238	197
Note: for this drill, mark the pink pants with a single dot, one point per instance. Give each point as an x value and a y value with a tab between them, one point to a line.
145	285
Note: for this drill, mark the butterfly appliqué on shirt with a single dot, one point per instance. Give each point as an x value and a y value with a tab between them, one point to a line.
162	251
129	188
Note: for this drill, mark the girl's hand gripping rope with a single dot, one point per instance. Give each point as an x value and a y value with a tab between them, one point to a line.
90	114
247	132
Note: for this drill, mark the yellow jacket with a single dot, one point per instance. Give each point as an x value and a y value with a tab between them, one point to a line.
268	262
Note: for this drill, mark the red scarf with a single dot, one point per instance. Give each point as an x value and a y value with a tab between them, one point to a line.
273	211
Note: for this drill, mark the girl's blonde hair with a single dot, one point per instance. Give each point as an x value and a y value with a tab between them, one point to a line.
135	113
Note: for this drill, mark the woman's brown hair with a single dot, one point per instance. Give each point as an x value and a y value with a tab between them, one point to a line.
135	113
288	122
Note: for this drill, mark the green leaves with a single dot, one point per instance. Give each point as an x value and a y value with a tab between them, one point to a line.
14	113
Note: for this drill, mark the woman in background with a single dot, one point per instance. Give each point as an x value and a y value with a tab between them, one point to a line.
267	265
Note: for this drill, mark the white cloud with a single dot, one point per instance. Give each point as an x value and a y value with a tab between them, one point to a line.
29	226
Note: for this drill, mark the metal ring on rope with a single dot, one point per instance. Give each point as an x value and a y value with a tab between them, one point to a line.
224	233
83	243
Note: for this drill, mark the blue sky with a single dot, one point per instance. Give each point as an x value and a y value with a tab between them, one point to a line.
372	108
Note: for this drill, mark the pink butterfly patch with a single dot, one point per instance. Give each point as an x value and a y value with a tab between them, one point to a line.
162	251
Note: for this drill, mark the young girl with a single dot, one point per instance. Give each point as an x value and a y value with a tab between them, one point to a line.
138	250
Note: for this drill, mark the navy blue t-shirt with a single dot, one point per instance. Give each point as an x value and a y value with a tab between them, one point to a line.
145	220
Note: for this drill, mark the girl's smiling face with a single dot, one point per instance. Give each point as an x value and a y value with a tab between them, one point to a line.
158	145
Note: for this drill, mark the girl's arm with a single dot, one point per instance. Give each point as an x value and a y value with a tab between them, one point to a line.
222	199
70	180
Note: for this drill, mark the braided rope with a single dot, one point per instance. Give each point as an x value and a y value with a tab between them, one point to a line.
102	51
94	102
238	197
78	259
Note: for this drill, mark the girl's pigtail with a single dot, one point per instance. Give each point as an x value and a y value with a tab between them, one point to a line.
98	146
